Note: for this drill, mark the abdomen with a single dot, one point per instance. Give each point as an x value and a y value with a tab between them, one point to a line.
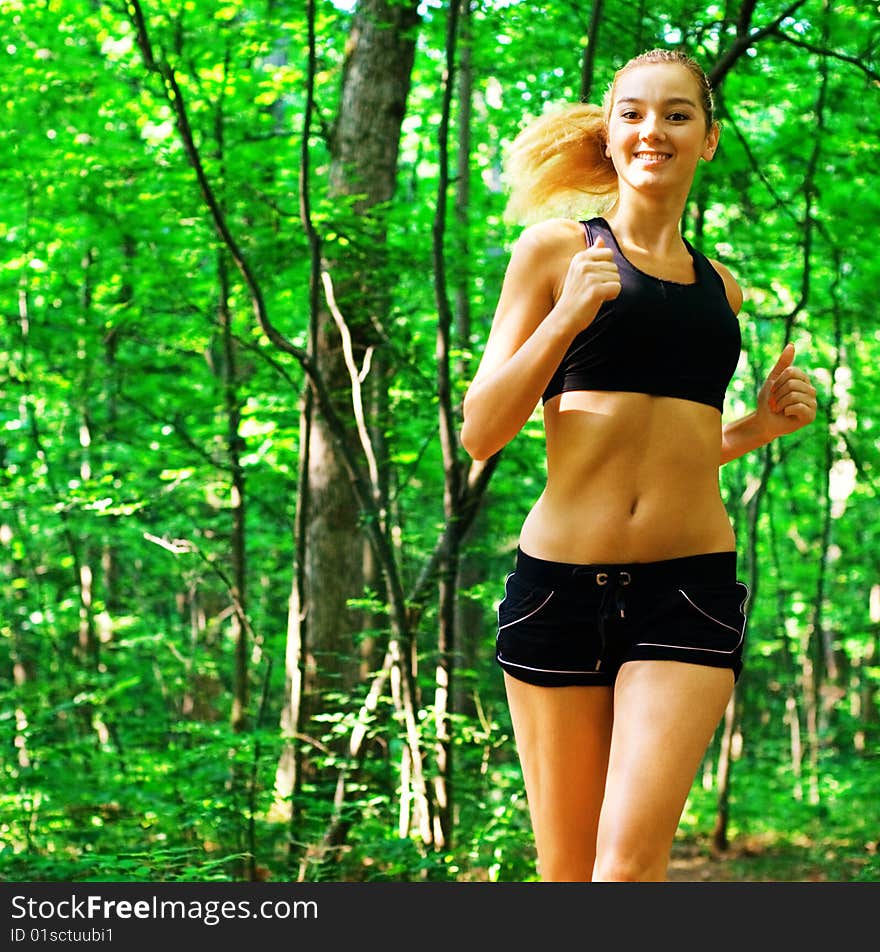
630	477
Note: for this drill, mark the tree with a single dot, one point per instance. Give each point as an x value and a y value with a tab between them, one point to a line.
199	369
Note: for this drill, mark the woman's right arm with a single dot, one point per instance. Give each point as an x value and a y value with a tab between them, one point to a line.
534	323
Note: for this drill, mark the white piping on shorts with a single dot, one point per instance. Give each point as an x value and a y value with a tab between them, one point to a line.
503	600
740	631
528	667
658	644
516	621
710	617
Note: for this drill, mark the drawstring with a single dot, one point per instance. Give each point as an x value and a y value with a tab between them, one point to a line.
613	603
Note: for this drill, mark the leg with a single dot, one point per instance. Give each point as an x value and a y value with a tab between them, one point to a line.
562	737
665	714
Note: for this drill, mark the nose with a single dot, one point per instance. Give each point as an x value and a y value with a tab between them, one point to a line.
651	128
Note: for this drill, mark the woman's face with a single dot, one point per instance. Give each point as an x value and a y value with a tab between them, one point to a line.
657	128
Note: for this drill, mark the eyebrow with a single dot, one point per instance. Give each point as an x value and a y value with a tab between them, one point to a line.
674	101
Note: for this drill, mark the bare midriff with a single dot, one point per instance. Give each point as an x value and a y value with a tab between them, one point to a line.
630	478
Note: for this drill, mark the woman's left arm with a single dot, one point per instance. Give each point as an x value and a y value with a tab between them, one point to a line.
786	402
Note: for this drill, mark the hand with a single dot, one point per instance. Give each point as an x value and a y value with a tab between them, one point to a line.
787	399
592	279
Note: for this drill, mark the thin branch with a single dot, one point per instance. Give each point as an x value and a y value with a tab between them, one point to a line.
591	48
356	391
746	38
467	506
448	441
781	204
829	54
175	98
186	546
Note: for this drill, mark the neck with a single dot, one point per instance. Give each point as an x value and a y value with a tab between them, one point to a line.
648	223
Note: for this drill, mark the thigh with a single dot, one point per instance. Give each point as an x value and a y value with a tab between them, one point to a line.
562	737
665	714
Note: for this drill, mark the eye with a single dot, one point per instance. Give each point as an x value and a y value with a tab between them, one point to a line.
629	114
679	117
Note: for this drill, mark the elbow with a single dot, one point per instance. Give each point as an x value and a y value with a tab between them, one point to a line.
472	444
479	435
474	439
469	434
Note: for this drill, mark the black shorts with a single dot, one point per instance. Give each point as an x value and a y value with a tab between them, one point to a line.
564	624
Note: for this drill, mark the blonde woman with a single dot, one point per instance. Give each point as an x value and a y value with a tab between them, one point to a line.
620	633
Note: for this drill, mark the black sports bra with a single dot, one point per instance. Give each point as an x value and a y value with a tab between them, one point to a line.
656	336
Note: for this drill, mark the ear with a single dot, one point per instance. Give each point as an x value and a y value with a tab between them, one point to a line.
711	145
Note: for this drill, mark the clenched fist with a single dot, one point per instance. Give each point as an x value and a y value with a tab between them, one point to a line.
592	279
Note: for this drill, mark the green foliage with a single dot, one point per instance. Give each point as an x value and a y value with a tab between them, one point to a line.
125	399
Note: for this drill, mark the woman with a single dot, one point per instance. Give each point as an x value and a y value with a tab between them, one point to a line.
621	629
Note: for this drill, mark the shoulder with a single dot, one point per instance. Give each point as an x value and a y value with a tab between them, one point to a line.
541	256
542	252
731	286
552	235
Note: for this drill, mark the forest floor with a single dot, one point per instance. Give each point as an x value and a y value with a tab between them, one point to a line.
757	861
691	864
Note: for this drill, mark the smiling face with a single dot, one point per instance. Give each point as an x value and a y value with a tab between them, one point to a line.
657	127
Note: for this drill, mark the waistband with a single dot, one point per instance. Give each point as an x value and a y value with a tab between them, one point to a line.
710	568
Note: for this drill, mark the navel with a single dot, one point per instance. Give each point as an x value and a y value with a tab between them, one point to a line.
634	506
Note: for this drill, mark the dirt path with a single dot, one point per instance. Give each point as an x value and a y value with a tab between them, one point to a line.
689	864
751	862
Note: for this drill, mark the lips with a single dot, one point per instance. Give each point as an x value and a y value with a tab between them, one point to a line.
645	155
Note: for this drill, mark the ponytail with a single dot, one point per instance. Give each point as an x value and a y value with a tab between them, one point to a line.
557	166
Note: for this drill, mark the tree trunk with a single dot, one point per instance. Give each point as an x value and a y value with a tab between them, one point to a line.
720	839
237	548
381	49
462	201
591	48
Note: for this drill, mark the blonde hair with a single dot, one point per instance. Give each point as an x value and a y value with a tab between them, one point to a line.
557	166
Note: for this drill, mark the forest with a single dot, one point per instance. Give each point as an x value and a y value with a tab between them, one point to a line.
249	576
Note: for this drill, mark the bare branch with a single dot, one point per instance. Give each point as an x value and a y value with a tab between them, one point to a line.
175	546
746	38
830	54
356	391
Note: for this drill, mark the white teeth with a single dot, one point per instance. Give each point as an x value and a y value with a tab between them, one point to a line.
651	156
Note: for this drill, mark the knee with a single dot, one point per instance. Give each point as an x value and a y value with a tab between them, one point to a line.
631	866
